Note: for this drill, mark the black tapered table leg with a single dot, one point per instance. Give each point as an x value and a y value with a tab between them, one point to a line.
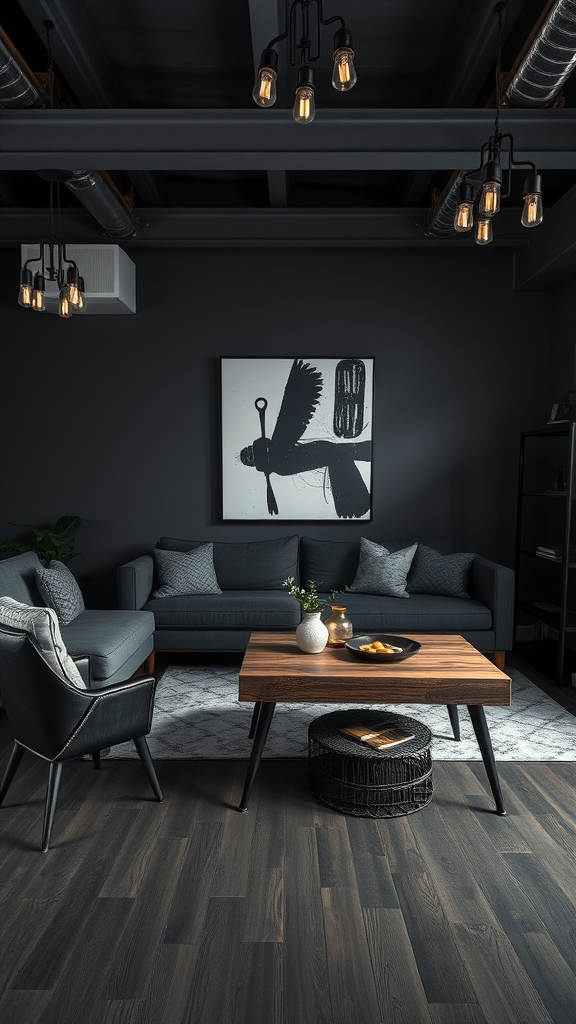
485	743
265	717
54	774
454	720
254	721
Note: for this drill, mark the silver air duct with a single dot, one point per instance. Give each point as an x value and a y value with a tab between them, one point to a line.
17	88
549	61
107	206
539	78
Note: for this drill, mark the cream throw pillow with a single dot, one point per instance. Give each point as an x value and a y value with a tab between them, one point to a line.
42	625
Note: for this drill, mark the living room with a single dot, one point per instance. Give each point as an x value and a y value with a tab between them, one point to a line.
188	910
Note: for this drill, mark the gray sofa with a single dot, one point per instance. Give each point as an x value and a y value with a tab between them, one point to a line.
116	642
251	576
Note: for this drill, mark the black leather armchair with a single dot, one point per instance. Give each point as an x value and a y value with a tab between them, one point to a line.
59	722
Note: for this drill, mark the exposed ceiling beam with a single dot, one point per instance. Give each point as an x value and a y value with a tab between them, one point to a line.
264	26
371	228
264	140
277	188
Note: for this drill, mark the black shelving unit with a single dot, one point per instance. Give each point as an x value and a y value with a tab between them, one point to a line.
545	627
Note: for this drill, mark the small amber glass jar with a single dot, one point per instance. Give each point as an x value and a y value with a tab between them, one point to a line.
339	627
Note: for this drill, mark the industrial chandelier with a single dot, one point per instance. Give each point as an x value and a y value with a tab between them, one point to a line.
496	165
343	74
52	259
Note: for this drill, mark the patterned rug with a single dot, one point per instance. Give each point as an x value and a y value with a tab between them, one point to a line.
197	715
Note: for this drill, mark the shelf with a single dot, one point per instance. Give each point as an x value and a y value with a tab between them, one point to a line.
547	558
544	494
547	615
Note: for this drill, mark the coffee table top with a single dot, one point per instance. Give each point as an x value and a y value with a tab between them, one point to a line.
446	670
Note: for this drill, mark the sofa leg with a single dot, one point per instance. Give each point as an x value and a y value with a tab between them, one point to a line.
149	664
500	660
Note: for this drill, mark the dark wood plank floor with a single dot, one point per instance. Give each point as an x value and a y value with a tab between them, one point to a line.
188	911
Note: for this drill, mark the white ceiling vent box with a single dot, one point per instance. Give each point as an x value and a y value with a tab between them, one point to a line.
109	277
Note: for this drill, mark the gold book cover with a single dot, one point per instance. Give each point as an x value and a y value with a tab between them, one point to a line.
380	739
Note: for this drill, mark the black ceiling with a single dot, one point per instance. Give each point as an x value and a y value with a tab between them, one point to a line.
424	97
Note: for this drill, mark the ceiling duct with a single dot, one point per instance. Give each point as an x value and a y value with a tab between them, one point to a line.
104	202
20	88
539	78
549	61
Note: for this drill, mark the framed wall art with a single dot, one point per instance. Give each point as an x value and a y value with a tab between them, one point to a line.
297	438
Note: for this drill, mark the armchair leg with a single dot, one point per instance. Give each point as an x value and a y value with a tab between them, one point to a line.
15	758
51	801
145	757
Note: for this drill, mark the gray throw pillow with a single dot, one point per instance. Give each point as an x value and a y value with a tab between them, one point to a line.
185	572
381	571
433	573
59	590
42	626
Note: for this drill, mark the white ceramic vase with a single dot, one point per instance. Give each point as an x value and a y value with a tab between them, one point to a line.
311	633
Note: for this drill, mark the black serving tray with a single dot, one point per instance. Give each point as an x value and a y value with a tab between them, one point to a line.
408	647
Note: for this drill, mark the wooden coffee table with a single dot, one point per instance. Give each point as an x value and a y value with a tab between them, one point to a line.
446	670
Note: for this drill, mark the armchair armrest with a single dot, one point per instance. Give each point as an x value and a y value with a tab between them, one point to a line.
83	665
135	581
493	585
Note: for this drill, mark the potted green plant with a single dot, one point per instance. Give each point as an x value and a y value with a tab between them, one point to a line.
311	633
49	542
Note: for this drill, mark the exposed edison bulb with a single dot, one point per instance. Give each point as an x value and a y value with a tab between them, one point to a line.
25	295
490	198
38	294
304	109
65	308
464	218
82	304
344	73
532	211
484	230
73	293
264	92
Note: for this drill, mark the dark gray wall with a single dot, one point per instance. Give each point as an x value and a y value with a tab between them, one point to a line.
117	418
563	353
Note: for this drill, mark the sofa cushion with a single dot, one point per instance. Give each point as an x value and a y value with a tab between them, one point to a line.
108	638
382	572
185	572
60	591
236	609
423	613
18	578
332	564
433	573
252	565
44	630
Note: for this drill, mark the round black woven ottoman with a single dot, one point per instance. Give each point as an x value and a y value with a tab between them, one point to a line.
352	777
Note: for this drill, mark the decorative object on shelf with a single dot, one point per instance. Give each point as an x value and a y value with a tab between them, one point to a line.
496	165
54	542
297	438
343	72
339	627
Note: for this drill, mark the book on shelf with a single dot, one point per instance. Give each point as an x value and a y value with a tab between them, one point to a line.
380	739
556	552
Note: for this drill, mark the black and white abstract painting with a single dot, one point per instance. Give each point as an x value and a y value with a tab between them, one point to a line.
297	438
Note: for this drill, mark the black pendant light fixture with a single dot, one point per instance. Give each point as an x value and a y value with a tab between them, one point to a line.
308	15
54	265
496	165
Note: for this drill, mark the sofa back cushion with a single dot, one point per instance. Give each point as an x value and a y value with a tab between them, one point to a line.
332	564
253	565
18	578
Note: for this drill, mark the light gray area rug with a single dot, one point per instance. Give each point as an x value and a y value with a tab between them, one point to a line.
197	715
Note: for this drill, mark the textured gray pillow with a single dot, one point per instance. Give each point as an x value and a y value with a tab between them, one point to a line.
59	590
381	571
185	572
42	625
433	573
